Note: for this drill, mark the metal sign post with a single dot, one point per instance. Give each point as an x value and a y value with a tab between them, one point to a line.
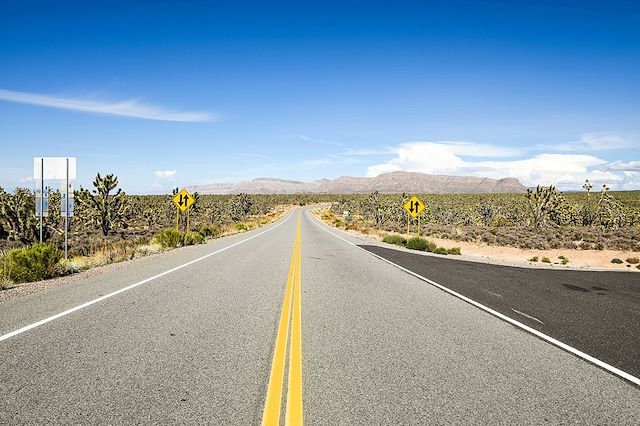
66	214
41	196
62	169
413	207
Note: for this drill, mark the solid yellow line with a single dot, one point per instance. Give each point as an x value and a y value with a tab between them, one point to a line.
271	412
294	391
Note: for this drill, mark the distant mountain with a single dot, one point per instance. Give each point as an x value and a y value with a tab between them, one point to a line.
392	183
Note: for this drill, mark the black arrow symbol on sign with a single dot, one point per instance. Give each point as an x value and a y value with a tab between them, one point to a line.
183	200
417	206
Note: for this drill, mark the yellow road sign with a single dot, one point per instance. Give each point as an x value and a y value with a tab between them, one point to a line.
183	200
414	206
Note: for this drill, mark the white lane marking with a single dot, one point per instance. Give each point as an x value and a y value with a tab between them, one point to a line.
527	316
610	368
122	290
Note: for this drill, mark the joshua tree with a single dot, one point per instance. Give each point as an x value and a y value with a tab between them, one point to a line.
102	209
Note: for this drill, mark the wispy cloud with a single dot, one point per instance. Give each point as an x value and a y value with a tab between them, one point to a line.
127	108
165	174
320	141
594	142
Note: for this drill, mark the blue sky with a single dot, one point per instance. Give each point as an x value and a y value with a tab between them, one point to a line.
167	94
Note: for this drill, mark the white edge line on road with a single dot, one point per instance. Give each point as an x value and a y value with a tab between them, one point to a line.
497	314
122	290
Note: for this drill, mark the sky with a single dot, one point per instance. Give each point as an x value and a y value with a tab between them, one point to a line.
176	93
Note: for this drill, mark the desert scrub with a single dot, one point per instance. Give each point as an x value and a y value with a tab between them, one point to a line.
454	250
32	263
616	261
240	226
534	259
546	260
417	243
209	231
395	239
192	238
439	250
169	238
563	259
633	260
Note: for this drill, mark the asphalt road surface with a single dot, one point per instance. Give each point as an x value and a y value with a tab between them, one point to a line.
191	339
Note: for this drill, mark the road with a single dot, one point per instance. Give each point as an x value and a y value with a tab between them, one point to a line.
195	336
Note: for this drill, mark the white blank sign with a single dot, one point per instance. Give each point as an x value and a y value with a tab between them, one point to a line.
54	167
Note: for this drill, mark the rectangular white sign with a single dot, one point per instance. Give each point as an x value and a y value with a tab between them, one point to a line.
54	167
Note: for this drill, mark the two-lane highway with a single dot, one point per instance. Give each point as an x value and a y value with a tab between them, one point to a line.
197	335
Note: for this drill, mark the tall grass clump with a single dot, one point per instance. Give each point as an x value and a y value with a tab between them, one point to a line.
169	238
417	243
396	239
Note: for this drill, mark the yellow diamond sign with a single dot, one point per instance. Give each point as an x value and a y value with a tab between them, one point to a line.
414	206
183	200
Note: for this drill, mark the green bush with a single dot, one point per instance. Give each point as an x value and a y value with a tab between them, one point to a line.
546	260
396	239
534	259
454	250
240	226
170	238
633	260
616	260
32	263
431	246
440	250
209	231
417	243
191	238
563	259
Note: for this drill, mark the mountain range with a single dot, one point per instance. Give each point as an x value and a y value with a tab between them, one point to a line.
391	183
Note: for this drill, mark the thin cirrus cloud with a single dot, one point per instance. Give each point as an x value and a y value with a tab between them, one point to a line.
127	108
595	142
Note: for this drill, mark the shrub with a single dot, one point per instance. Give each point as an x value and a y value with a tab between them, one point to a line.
563	259
439	250
240	226
32	263
545	259
633	260
395	239
209	231
417	243
533	259
169	238
454	250
191	238
431	246
616	260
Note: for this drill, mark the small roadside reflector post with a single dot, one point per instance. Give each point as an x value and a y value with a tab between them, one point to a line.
183	201
413	207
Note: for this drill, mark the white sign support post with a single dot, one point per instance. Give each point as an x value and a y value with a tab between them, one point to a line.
59	168
66	214
41	196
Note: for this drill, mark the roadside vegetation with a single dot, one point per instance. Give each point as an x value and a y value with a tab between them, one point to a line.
110	226
542	219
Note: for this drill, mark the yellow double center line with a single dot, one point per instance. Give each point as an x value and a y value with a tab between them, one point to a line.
271	413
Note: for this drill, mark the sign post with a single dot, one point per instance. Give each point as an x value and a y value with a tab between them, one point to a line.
183	201
413	207
57	168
